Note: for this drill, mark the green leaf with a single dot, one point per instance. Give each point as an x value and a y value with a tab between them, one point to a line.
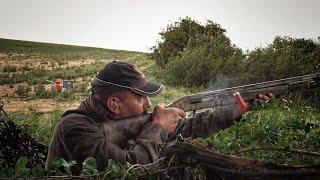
21	169
38	171
116	168
89	166
110	163
67	166
10	172
3	173
57	162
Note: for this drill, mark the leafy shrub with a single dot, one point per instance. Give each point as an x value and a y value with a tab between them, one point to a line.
9	68
177	36
203	61
284	57
4	78
40	92
194	55
66	95
23	90
25	68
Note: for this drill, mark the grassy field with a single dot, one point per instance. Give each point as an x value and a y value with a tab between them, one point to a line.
29	100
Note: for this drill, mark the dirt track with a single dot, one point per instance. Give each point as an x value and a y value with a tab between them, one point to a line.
43	105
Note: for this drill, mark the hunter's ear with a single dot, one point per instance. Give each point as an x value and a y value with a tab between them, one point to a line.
112	104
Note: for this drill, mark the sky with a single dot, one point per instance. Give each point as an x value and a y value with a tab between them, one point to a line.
135	24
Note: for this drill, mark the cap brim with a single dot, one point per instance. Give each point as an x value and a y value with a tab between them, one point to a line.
149	89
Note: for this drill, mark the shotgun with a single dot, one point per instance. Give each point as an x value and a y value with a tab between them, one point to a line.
130	127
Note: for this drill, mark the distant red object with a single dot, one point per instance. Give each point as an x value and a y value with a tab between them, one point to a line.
58	85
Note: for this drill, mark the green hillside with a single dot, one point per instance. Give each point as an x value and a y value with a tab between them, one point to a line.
58	52
290	123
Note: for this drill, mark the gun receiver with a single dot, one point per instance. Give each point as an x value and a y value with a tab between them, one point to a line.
130	127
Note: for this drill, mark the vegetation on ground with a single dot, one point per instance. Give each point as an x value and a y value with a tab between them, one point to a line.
280	131
190	58
61	167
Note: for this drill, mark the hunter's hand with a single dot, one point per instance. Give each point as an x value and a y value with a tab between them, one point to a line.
167	116
263	98
243	107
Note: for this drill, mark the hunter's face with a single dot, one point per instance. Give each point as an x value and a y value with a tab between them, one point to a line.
133	104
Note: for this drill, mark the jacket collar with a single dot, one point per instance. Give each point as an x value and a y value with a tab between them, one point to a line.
97	109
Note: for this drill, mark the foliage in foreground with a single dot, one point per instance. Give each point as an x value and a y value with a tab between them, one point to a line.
61	167
173	168
277	128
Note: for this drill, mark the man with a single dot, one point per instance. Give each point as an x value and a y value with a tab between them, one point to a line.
121	90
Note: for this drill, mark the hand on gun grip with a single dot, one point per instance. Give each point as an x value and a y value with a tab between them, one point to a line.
167	116
261	98
243	106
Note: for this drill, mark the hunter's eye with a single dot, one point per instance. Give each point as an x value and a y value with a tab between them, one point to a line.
140	97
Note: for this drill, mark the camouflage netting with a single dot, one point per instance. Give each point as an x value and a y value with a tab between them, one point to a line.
16	142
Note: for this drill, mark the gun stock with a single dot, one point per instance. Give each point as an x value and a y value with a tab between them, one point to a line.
130	127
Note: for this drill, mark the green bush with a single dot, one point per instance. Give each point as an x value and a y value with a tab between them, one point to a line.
284	57
23	91
66	95
4	78
203	62
25	68
191	55
9	68
194	55
40	92
177	36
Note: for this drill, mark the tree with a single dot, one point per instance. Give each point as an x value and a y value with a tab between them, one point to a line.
193	54
284	57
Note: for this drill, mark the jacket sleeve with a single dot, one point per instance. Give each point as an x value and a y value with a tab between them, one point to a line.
80	141
208	122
